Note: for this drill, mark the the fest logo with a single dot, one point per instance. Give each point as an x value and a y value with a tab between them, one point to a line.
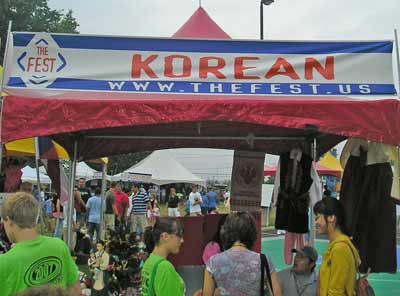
41	62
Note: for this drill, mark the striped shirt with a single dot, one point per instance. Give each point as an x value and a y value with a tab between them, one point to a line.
139	202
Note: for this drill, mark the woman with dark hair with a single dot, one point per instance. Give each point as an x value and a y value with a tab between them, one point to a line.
159	276
237	271
214	247
337	274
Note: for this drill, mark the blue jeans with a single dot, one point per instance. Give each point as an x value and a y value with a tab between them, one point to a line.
91	228
58	228
81	218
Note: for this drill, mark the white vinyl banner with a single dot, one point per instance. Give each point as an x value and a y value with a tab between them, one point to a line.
64	63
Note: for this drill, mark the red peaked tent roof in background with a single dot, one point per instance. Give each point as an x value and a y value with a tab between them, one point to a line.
270	170
200	25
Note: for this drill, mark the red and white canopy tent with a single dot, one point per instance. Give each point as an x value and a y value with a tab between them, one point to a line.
92	124
107	123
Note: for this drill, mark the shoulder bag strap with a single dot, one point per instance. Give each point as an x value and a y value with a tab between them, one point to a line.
153	276
355	263
354	256
265	267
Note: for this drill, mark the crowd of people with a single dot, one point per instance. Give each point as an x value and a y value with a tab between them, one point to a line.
133	258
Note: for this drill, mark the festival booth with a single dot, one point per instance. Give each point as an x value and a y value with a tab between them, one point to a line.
155	93
27	148
29	174
163	169
87	173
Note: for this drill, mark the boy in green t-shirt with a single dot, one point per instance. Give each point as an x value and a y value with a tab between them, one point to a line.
34	260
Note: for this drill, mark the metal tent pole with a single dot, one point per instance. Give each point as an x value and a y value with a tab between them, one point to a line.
312	228
1	89
103	196
70	207
268	211
39	187
396	39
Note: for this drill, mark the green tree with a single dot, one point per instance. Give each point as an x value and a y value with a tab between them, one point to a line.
119	163
33	16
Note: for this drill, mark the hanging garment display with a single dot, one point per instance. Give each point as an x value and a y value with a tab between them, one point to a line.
293	195
370	210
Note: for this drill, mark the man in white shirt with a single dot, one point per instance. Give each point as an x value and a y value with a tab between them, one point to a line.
195	202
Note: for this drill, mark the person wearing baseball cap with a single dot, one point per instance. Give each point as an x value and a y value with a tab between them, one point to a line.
300	279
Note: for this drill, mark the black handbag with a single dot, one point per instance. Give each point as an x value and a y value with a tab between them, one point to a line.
265	267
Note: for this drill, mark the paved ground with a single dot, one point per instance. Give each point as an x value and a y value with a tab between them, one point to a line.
384	284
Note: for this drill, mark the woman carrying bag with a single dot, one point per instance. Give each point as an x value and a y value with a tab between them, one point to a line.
338	271
238	271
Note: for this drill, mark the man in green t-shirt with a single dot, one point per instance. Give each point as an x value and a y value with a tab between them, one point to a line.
34	260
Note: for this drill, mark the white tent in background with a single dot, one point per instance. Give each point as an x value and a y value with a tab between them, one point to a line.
164	169
29	175
86	172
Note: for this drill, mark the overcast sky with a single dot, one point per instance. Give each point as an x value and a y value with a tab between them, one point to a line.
283	20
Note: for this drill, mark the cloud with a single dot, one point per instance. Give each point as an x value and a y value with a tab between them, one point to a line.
284	19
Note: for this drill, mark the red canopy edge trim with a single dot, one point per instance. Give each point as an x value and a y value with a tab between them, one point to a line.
147	97
26	117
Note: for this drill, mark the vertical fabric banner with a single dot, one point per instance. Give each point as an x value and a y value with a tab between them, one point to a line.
247	178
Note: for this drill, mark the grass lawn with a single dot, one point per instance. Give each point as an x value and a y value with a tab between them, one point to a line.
164	211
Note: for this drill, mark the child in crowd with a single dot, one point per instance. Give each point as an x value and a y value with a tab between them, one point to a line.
153	212
215	245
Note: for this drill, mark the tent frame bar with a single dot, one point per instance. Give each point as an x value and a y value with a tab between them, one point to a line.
250	137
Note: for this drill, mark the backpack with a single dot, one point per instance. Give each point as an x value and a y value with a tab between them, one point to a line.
362	287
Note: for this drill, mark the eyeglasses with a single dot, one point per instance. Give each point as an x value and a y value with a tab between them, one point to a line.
317	217
178	234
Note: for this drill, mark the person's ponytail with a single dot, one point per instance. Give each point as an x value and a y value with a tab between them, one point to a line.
149	239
